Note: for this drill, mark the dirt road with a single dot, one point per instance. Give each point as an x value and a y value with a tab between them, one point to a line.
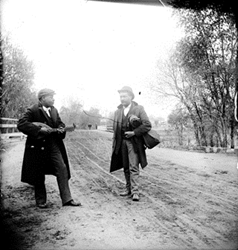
188	200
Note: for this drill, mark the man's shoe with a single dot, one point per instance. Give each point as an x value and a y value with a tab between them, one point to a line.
72	203
41	205
125	193
135	197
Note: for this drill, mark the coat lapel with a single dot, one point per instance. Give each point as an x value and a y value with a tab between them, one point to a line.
131	109
119	123
53	114
118	118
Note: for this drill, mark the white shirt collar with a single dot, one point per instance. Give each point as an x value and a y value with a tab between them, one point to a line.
47	110
126	109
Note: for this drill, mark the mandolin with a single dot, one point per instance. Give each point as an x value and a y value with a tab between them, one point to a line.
53	130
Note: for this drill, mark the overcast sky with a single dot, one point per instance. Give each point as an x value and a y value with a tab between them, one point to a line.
88	50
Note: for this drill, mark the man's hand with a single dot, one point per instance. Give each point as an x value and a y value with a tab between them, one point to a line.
45	131
60	130
129	134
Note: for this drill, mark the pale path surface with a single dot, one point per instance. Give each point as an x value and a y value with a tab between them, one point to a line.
189	200
197	160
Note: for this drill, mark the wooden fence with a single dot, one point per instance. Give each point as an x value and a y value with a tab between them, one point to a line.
8	128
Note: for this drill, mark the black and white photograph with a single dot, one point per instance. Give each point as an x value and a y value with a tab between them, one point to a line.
119	124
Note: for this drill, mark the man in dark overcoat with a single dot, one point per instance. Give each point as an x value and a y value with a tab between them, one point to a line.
45	152
128	150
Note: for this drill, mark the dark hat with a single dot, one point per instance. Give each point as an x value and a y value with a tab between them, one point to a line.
128	90
45	92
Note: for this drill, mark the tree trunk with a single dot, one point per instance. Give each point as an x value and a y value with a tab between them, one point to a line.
224	132
196	134
232	127
219	143
203	136
236	75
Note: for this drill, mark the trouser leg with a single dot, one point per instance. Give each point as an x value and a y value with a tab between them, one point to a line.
133	167
61	174
40	190
125	162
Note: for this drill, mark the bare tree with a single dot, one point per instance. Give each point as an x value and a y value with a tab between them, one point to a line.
179	120
201	75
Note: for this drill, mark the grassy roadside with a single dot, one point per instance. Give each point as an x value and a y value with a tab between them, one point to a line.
10	238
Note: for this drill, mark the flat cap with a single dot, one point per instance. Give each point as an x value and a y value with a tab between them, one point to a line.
128	90
45	92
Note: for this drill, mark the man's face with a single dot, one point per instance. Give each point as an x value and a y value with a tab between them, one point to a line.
48	101
125	98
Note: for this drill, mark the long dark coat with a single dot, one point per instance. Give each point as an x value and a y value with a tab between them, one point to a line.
36	160
137	140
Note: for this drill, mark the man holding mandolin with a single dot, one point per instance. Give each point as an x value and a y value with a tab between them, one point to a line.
45	152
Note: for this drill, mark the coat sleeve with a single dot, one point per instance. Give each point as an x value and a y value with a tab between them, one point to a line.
60	124
114	120
114	126
59	121
26	126
145	123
